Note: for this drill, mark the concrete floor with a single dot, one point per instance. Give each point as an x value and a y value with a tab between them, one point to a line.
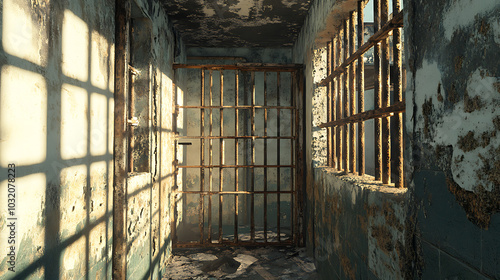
241	263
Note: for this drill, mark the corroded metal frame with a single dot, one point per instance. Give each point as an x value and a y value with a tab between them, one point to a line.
296	149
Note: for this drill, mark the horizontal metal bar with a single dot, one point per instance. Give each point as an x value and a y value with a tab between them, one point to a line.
235	107
231	243
232	192
394	23
235	166
240	58
236	137
367	115
243	67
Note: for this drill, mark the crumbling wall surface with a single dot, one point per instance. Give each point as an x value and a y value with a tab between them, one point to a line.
453	108
56	123
359	227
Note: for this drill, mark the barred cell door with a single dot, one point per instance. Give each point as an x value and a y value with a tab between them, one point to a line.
238	155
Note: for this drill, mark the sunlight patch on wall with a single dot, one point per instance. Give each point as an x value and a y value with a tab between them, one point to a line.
98	124
73	122
75	47
20	36
24	131
99	61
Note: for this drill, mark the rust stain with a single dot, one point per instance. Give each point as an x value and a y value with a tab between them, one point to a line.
478	205
347	267
459	60
384	238
452	94
468	142
471	104
440	96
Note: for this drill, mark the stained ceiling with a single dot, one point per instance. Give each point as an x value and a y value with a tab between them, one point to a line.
238	23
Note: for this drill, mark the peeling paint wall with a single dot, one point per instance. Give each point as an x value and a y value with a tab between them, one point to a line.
355	229
56	122
452	118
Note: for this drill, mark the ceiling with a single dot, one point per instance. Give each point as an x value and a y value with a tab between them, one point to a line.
238	23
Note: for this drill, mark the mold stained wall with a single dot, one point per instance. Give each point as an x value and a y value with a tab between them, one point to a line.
354	228
453	121
56	121
188	230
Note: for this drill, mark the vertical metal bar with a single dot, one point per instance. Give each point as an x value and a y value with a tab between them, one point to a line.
328	98
398	133
236	177
333	97
265	157
292	179
296	96
122	27
361	91
173	222
278	149
252	171
386	140
131	115
378	96
202	159
352	90
221	153
339	147
345	100
210	157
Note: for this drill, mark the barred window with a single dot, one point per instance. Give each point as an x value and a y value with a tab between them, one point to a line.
346	87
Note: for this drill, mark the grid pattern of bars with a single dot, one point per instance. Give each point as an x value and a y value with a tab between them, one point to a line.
346	144
250	190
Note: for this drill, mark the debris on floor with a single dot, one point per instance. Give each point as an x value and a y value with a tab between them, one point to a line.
268	263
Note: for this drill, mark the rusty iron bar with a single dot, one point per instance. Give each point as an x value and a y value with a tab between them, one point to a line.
328	98
352	93
339	102
236	107
386	95
367	115
345	100
292	160
332	100
265	157
202	157
378	95
221	152
122	26
232	192
226	243
380	34
235	137
240	58
296	159
278	149
236	177
131	112
361	91
252	170
255	67
210	156
397	135
237	166
173	221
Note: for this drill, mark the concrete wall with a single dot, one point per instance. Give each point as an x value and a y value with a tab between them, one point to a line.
56	121
453	119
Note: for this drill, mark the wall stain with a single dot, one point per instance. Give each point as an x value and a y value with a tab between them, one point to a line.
478	205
